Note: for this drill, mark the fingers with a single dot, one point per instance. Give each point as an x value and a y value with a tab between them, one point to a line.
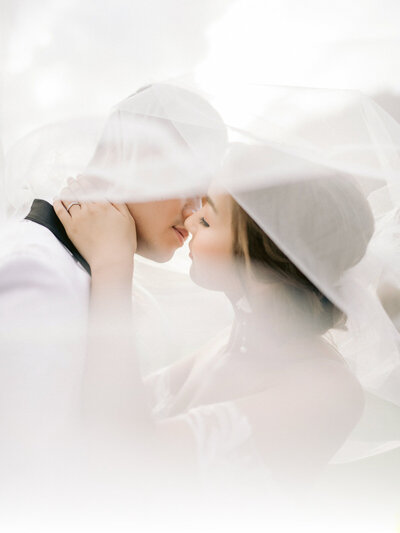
72	207
92	185
67	196
74	191
122	208
75	196
77	190
66	204
61	212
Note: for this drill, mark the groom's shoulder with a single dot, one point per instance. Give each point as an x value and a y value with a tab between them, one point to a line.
39	279
26	243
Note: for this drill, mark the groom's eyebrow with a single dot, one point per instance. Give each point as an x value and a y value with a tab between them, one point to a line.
209	201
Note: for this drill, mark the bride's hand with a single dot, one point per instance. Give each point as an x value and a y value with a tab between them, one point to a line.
104	233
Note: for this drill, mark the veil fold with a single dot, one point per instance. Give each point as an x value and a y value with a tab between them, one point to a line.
317	169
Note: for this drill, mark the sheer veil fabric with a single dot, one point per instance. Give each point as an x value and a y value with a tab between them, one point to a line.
319	172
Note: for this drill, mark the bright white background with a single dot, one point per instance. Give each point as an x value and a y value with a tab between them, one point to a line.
65	58
61	59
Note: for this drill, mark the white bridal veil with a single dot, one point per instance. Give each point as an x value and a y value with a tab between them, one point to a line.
318	170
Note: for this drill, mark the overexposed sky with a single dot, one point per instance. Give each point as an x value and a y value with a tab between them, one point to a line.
313	42
67	58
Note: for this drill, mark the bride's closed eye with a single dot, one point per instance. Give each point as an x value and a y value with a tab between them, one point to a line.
204	222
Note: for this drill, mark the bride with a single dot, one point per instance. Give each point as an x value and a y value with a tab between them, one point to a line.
275	400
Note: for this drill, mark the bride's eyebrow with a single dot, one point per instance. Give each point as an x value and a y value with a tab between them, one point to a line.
209	201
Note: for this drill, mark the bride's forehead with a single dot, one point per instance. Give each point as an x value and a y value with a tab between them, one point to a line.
217	191
219	197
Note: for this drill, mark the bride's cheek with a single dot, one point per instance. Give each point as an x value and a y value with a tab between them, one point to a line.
206	246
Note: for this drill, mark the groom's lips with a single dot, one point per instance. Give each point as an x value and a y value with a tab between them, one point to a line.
181	233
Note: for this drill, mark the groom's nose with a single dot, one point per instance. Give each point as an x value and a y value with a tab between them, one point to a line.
190	206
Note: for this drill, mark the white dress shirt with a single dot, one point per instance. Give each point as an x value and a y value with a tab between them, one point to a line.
44	297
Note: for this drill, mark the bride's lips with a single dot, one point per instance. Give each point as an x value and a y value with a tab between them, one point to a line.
181	233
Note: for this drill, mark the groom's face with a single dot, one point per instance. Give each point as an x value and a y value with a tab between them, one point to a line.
159	226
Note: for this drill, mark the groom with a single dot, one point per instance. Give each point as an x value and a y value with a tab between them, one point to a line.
45	282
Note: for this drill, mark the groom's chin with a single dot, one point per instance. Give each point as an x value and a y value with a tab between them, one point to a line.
164	258
157	255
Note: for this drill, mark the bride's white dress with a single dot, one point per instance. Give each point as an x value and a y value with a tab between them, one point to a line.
225	417
229	449
222	432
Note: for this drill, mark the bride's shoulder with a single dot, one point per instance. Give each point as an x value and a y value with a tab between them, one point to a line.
326	373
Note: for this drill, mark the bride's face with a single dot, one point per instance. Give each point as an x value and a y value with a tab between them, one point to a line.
211	244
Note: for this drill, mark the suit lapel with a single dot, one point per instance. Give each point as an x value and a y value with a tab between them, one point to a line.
43	213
